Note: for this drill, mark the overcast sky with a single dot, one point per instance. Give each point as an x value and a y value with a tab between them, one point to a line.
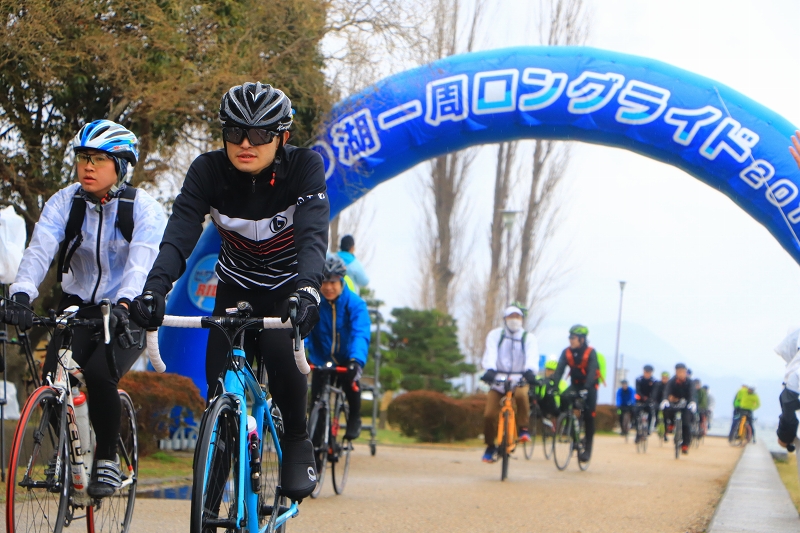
706	283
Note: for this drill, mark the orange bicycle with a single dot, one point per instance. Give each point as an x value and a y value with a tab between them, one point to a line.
506	440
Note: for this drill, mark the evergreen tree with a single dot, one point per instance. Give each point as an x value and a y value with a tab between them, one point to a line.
425	349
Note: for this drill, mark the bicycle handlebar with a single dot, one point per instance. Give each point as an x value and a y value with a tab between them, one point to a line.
154	353
336	369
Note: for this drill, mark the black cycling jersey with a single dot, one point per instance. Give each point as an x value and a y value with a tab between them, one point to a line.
274	226
645	388
681	389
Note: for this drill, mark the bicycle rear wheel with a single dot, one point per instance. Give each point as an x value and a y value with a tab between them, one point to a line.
215	487
270	470
504	445
37	490
114	514
318	431
563	446
548	436
340	458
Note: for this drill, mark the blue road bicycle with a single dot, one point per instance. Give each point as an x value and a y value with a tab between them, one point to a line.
237	483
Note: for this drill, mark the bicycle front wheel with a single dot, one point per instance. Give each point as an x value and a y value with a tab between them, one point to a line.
37	490
114	514
581	434
215	488
340	458
534	422
318	429
270	470
562	448
678	436
548	436
504	445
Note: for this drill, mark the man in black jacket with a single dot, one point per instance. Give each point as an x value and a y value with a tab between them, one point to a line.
268	201
583	372
680	387
646	387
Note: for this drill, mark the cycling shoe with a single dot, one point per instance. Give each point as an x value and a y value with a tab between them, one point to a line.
106	479
298	471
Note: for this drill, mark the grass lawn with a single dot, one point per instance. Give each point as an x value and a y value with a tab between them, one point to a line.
393	437
788	473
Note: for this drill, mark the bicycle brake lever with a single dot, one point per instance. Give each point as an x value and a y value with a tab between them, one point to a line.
105	309
294	303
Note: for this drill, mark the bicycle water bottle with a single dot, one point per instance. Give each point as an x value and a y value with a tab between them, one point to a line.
253	446
84	427
76	455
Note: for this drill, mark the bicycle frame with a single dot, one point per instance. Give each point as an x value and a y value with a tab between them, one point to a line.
238	382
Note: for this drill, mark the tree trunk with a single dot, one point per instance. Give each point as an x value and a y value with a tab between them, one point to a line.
540	154
333	235
506	154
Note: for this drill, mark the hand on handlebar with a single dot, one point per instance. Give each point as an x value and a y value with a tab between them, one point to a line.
123	332
307	314
18	311
665	405
489	376
147	310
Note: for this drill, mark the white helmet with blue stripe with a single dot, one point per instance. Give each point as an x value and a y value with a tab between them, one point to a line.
110	137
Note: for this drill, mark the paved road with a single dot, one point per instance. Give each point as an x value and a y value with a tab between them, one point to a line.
447	490
755	496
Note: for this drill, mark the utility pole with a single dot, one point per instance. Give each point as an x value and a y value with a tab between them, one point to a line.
616	351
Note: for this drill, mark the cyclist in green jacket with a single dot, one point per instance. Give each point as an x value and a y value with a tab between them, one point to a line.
548	393
748	403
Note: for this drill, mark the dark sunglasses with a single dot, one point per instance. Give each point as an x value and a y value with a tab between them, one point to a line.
256	136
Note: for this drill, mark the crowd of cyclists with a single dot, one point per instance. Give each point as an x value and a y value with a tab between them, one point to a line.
268	200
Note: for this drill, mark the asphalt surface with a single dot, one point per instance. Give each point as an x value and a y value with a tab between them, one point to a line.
449	490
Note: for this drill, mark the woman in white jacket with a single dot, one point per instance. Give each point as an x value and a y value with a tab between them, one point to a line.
106	236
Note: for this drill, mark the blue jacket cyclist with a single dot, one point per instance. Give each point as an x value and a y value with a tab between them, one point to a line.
341	337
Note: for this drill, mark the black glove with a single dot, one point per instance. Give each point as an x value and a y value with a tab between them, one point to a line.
530	377
18	311
307	313
489	376
353	371
141	311
123	333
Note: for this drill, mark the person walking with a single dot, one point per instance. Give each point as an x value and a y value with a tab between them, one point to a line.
355	270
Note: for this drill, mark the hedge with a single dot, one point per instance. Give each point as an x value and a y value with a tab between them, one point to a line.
435	417
154	397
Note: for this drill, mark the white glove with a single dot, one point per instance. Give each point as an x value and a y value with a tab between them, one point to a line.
692	407
664	404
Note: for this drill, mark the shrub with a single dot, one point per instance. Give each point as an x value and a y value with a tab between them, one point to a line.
154	397
434	417
605	418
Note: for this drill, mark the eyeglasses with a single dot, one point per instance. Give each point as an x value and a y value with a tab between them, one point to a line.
256	136
574	337
82	158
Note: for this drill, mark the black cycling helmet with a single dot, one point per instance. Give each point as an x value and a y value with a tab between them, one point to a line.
253	105
648	368
334	269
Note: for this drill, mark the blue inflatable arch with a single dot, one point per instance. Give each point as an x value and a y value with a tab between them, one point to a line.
570	93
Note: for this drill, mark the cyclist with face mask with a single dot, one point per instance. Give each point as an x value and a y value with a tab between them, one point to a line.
268	201
509	350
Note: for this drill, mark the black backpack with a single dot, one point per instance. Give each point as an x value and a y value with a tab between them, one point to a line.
75	222
503	336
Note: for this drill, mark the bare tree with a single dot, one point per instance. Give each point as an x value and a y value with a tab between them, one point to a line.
441	243
561	23
361	36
